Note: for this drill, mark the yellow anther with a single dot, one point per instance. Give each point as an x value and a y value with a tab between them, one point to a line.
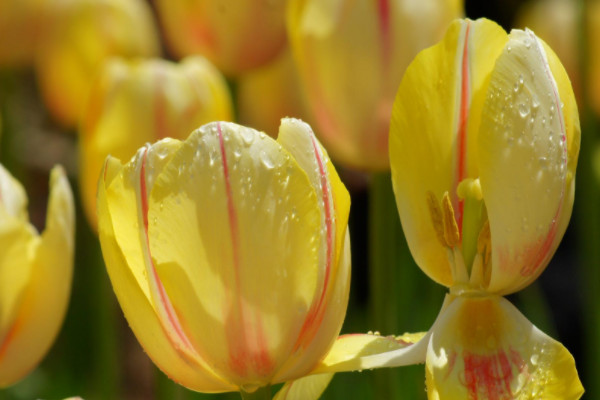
451	233
436	217
469	188
484	243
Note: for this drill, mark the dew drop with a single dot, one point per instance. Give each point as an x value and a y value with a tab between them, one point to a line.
534	359
523	110
247	136
266	160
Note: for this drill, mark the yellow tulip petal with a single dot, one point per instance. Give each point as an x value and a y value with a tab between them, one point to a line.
44	301
306	388
233	214
327	326
355	352
524	162
431	132
125	263
334	204
484	348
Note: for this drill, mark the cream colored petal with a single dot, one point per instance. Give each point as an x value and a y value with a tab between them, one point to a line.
13	199
432	130
234	230
484	348
43	305
525	166
126	269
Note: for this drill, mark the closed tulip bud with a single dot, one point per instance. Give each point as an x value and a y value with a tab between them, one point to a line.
229	253
351	57
267	94
235	35
140	101
35	274
86	34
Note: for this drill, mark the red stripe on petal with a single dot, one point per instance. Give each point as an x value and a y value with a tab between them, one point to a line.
317	311
461	138
488	377
242	355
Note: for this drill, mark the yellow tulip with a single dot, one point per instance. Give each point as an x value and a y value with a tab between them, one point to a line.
484	142
35	274
351	57
267	94
135	102
23	24
229	253
235	35
85	34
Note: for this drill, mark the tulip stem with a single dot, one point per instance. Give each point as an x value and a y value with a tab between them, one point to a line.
262	393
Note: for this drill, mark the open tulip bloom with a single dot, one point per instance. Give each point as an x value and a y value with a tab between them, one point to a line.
35	274
229	255
484	142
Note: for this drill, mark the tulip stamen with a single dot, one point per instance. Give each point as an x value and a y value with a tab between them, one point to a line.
446	229
451	232
436	217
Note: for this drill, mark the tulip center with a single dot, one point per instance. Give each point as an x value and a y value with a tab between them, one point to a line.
468	248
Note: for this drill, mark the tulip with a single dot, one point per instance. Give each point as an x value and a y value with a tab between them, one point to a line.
267	94
235	35
23	24
230	257
35	274
484	141
135	102
351	56
86	34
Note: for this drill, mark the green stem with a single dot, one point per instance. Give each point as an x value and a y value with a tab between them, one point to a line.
402	298
262	393
587	215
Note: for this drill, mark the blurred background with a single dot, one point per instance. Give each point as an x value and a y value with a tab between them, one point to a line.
54	83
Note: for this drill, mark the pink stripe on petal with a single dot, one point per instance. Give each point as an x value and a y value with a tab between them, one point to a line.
164	304
242	355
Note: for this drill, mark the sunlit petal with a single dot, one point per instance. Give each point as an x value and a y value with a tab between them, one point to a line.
527	175
484	348
125	263
248	220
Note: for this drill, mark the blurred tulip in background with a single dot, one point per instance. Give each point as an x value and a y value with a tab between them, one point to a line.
236	35
484	142
140	101
84	34
267	94
23	23
351	56
35	274
557	23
